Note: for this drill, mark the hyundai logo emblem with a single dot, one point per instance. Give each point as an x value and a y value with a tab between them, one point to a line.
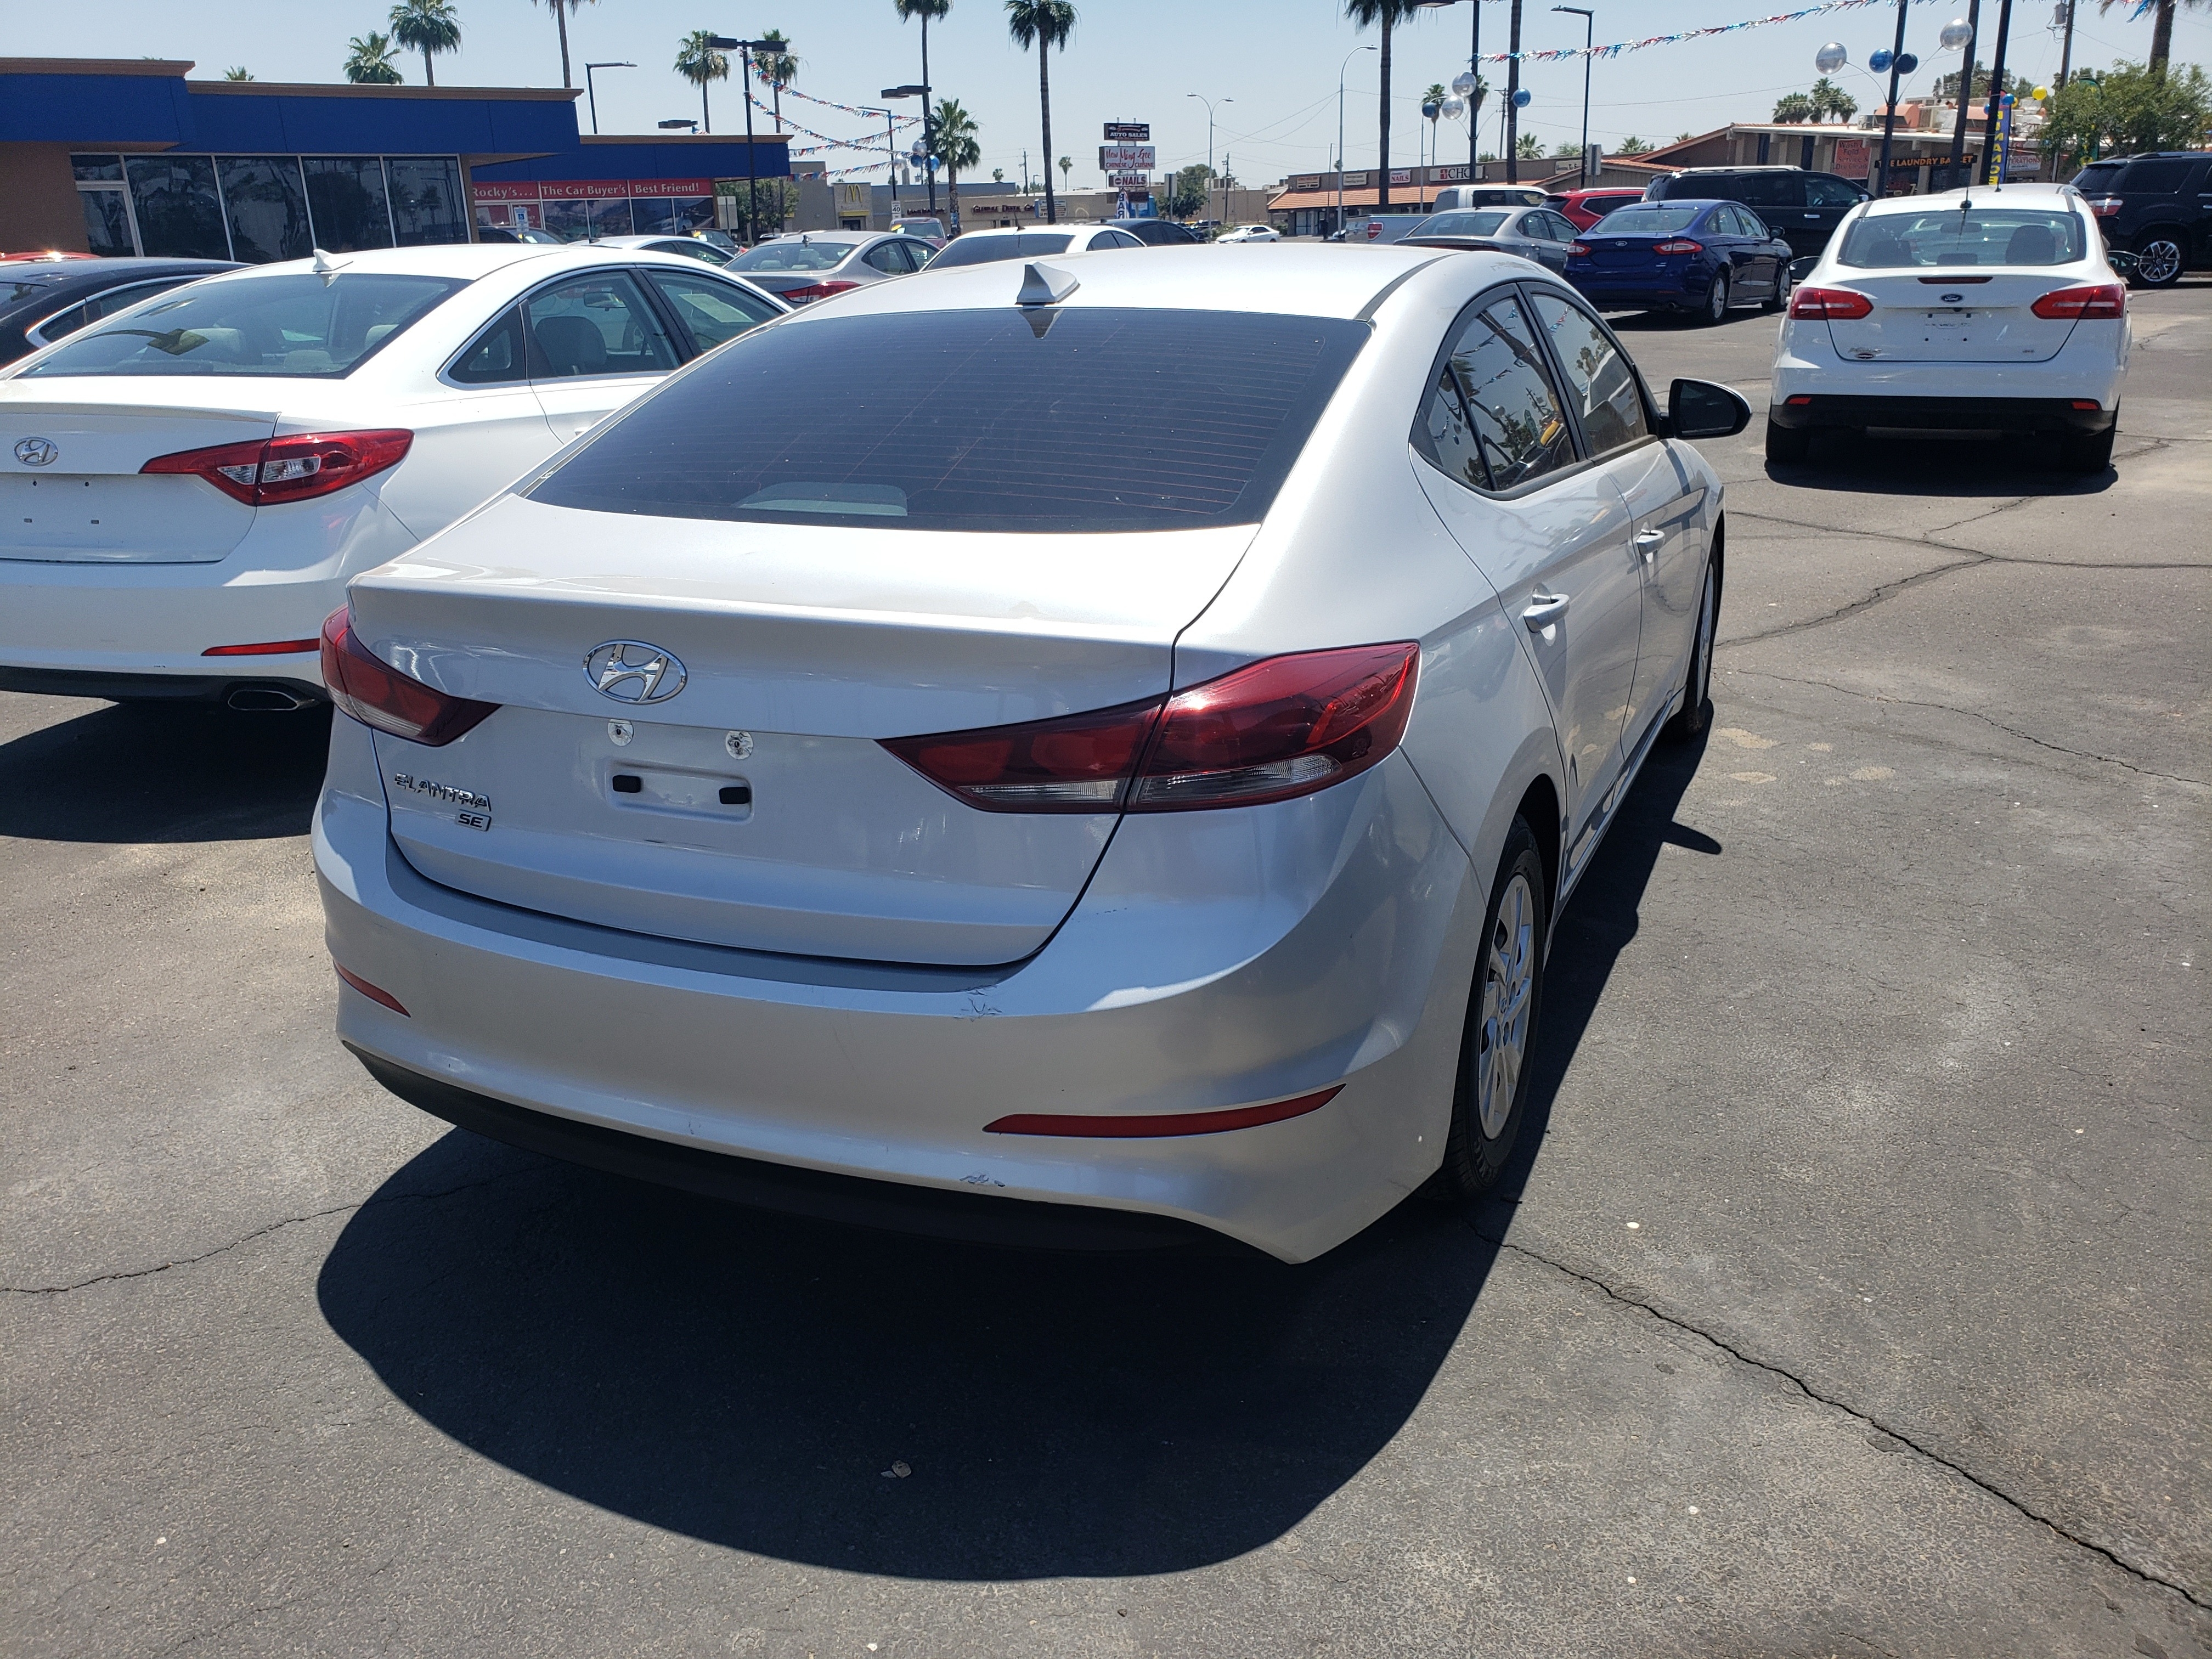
37	452
630	670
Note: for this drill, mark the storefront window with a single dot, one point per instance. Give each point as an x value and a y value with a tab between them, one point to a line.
106	223
267	207
612	218
655	216
179	216
693	213
97	169
345	197
570	220
426	200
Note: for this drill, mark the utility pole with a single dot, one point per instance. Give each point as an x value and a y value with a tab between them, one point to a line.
1889	111
1589	38
1966	93
2066	51
1992	154
1512	92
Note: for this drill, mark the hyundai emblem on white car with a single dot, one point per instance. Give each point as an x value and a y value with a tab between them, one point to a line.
37	452
630	670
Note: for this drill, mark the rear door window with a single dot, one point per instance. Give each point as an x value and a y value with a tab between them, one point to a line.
1493	421
714	312
986	249
1823	192
596	325
2154	178
1092	419
1599	377
1765	189
497	356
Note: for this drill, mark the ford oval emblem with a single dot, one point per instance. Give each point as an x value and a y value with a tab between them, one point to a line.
37	452
630	670
1952	299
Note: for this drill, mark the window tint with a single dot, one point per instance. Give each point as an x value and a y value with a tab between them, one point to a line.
596	325
1493	421
1651	219
714	312
920	252
288	324
1599	376
1461	224
267	204
1759	189
1823	192
886	258
1117	239
2154	178
1999	234
54	327
1087	419
984	250
122	299
106	223
426	200
798	254
497	356
346	199
179	217
2098	178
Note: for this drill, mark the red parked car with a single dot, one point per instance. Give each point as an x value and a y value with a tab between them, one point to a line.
1586	207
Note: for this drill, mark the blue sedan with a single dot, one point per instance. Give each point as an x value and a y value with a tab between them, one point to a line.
1695	257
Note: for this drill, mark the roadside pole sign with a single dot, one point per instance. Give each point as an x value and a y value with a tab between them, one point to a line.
1128	132
1129	180
1127	158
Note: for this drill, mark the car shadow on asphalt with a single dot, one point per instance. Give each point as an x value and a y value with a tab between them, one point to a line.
920	1408
151	772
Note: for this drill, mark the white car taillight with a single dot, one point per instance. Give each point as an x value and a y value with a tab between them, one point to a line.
297	468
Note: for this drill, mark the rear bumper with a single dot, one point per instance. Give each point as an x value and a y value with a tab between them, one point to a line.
1644	292
249	690
1208	966
1857	412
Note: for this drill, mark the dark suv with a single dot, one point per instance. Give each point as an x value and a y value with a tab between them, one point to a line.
1801	207
1156	232
2158	207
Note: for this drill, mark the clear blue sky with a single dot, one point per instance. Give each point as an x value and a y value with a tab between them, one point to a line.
1130	59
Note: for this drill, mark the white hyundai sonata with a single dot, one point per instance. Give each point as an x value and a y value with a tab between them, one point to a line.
1104	738
188	485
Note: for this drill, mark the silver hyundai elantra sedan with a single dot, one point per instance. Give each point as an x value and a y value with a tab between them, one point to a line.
1095	739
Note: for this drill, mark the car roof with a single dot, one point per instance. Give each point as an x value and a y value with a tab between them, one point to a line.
1024	230
1311	281
469	261
123	269
1985	193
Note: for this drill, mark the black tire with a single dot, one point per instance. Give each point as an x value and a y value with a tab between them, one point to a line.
1787	443
2088	455
1783	284
2161	256
1475	1154
1714	309
1696	710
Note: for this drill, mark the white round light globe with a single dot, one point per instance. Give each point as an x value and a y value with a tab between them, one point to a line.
1830	58
1954	34
1463	83
1453	108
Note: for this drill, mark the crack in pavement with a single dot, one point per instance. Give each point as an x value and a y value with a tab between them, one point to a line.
1887	590
1798	1382
248	1238
1987	720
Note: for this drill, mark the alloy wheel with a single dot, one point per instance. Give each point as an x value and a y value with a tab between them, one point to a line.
2159	261
1717	300
1508	997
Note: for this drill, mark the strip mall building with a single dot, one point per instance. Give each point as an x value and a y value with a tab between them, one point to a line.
127	155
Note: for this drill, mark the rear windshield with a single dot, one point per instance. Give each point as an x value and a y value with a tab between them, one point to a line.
982	250
289	324
1460	224
2098	177
1650	219
810	253
993	420
1968	235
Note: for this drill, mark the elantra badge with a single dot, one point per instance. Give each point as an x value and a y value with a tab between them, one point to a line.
630	670
37	452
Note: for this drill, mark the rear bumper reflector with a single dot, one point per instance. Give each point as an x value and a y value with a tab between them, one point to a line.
1158	1125
266	648
372	993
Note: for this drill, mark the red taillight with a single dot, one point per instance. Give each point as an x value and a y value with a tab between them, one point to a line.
1681	244
374	993
266	648
297	468
2093	302
1577	247
376	694
1831	302
799	297
1283	728
2105	206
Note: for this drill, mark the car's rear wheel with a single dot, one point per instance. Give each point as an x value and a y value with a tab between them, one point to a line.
2088	453
1787	443
1717	300
2160	258
1782	286
1492	1095
1696	709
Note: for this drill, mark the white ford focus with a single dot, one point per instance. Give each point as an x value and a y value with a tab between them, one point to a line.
188	485
1104	737
1970	310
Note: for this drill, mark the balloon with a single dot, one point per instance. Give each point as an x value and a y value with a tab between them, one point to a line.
1463	83
1453	108
2042	95
1830	58
1955	35
1906	63
1880	62
1521	99
1431	110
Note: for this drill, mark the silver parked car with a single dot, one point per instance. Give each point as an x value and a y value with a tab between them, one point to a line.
981	247
1533	233
803	266
1134	784
691	247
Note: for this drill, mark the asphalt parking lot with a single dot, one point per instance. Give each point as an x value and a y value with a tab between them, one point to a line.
1849	1296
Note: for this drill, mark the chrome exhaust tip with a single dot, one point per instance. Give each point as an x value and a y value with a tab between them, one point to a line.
267	700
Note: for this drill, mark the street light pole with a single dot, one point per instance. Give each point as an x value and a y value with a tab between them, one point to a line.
1889	110
1589	38
890	152
747	48
1208	102
1340	68
591	96
1992	155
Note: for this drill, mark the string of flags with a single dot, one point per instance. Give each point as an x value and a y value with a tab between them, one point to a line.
1554	54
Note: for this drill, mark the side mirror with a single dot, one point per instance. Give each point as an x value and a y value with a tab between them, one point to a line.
1701	409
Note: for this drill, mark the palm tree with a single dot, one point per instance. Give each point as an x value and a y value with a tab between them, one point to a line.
699	63
956	149
775	70
369	61
238	72
2161	33
561	11
427	26
1389	14
1066	166
1044	24
925	9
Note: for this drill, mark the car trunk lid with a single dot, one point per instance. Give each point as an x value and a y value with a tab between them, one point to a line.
753	807
1966	317
70	487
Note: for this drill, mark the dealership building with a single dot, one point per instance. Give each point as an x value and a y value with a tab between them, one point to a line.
127	155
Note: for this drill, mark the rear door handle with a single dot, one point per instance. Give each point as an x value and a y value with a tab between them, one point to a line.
1544	609
1647	543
